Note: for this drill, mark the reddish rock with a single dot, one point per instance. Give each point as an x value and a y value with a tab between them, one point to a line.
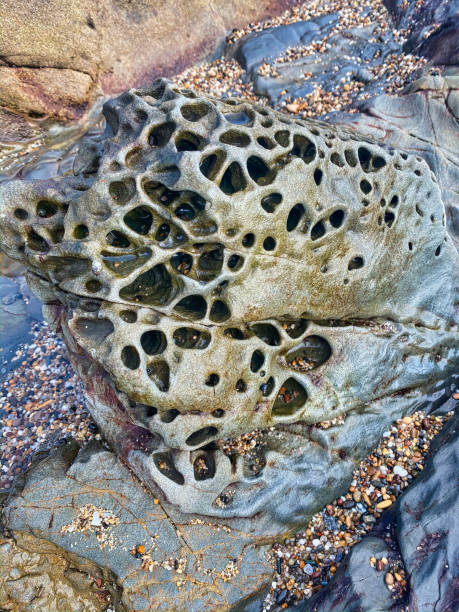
55	57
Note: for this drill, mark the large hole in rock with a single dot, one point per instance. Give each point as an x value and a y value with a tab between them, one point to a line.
36	243
152	287
295	328
192	307
310	354
317	231
211	164
369	162
257	360
337	218
266	332
165	464
235	262
94	330
233	180
46	209
210	262
158	372
204	467
135	159
336	159
294	216
21	214
185	212
128	316
364	158
190	338
389	218
241	117
67	267
202	436
195	112
282	137
81	232
259	171
318	176
162	232
182	262
266	143
365	186
187	141
161	134
234	333
355	263
219	312
270	202
125	263
212	380
130	357
303	148
93	285
235	138
350	157
248	240
291	397
269	243
117	239
122	191
169	415
139	220
153	342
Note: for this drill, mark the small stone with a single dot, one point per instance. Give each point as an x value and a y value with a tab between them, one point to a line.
389	579
384	504
316	542
400	471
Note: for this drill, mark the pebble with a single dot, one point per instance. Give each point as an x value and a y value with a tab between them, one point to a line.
309	568
34	401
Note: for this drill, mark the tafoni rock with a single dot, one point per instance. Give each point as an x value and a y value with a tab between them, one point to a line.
217	269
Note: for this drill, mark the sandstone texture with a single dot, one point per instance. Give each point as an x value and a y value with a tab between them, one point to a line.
54	56
36	575
217	268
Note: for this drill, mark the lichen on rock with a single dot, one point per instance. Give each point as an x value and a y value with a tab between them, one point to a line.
217	267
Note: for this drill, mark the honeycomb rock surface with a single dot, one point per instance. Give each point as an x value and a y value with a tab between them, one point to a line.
216	267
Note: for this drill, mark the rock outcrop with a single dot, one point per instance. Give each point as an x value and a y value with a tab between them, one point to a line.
37	575
87	501
218	268
55	58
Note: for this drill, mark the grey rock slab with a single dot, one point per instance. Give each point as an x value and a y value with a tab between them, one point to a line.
195	564
357	586
428	529
255	48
